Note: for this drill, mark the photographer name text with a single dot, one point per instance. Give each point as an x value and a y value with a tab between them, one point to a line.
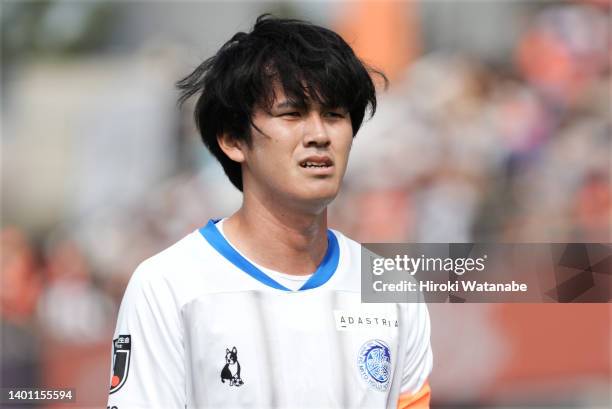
449	286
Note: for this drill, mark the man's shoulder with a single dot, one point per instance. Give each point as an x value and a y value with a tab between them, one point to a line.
177	268
347	244
180	254
190	268
354	250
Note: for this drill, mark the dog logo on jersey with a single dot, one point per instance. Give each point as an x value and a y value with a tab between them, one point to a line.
122	346
374	363
231	370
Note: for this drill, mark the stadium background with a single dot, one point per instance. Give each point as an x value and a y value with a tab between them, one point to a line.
496	128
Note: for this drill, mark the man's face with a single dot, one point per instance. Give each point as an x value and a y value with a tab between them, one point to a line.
300	155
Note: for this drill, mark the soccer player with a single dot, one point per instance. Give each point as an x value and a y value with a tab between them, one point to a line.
263	309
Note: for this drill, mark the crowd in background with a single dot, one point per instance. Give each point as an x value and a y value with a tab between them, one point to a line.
471	152
460	150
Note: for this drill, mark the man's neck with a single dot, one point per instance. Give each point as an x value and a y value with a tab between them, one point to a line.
281	239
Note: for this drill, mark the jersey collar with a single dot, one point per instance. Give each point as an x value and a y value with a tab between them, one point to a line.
324	272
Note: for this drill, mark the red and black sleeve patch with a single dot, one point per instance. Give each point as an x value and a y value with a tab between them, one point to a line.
122	346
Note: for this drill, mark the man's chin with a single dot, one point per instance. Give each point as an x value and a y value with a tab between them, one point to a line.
318	199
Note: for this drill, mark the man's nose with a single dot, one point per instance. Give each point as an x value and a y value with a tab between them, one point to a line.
315	131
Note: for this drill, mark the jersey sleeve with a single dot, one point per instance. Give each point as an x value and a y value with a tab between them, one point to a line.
147	369
415	391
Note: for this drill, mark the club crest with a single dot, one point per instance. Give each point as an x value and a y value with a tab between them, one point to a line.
122	346
374	363
231	370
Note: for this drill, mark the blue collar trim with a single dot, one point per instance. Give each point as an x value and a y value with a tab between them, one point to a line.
324	272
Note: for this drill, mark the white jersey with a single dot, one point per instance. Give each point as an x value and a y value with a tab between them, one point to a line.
200	326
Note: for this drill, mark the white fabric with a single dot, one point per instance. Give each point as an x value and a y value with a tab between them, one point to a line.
187	306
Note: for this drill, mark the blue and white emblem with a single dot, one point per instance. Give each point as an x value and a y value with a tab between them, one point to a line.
374	362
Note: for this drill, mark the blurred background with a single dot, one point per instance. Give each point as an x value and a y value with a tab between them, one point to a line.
496	128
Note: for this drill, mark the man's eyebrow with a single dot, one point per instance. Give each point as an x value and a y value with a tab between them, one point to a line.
295	105
285	104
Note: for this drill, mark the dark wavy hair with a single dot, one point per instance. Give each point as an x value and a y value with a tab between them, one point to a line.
311	63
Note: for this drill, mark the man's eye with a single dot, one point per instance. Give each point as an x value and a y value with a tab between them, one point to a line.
293	114
334	114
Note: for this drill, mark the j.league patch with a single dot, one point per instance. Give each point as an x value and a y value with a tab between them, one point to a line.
122	346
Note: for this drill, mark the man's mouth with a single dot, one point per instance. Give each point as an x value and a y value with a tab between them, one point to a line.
317	162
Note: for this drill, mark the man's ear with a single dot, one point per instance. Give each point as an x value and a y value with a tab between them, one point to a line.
232	147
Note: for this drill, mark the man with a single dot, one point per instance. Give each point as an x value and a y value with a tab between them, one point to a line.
263	309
